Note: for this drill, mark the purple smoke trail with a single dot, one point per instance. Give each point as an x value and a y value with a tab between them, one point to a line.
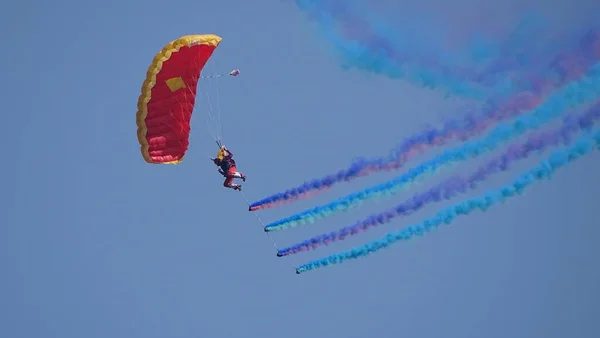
546	168
567	68
538	142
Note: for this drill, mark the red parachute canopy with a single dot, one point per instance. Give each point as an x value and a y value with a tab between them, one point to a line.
168	97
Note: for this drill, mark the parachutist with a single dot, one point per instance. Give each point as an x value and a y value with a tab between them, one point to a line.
227	167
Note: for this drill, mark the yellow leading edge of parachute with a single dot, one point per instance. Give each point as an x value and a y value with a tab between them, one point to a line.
150	81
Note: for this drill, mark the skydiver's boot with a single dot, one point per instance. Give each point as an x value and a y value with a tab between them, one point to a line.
243	177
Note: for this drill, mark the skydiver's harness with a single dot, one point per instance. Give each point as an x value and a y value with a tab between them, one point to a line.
226	164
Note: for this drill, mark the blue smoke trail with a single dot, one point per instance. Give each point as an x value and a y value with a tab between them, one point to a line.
544	170
566	68
520	51
357	17
454	185
360	56
419	58
502	56
571	95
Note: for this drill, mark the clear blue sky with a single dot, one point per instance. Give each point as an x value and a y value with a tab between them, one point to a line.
95	243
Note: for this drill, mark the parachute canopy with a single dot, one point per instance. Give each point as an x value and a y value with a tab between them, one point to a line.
168	97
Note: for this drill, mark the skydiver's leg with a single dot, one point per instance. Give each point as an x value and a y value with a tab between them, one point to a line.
228	183
238	174
234	173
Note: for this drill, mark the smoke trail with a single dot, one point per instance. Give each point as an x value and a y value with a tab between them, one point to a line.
361	25
567	68
356	54
518	44
403	47
457	184
544	170
573	94
364	36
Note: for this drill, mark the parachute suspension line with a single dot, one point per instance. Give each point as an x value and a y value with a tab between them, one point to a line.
211	121
210	131
210	118
207	117
217	114
218	103
217	118
191	106
188	104
214	120
263	225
